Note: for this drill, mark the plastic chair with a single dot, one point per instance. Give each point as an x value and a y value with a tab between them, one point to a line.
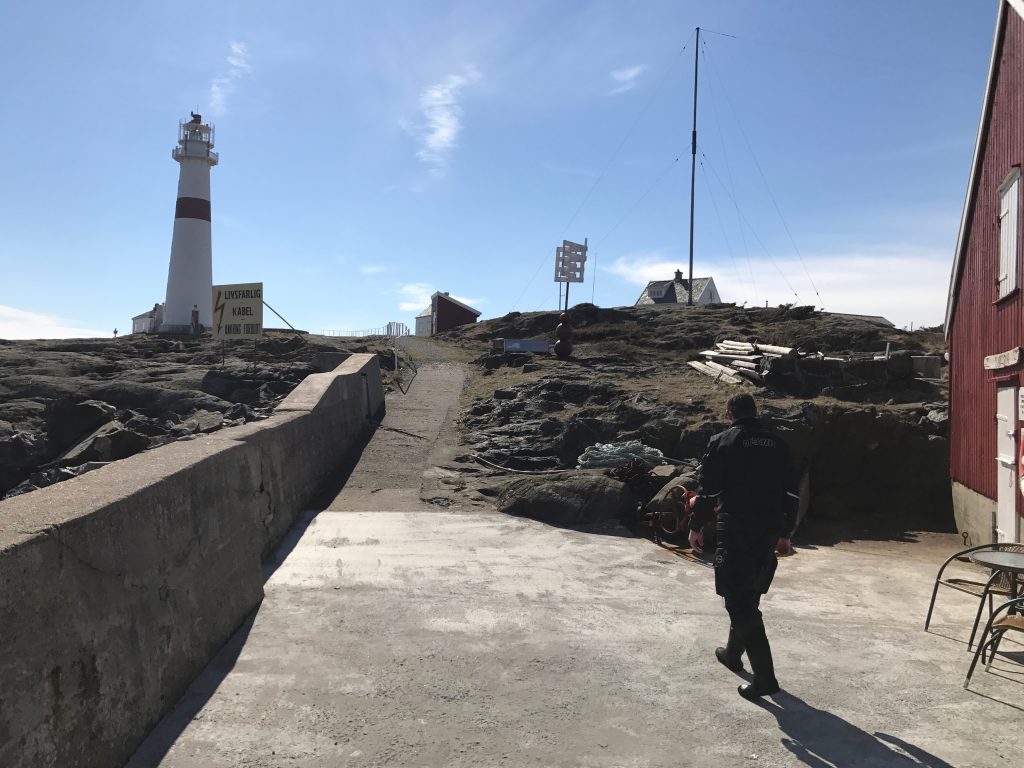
1000	622
998	583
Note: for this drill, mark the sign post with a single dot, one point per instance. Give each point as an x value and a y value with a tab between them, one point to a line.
569	260
238	311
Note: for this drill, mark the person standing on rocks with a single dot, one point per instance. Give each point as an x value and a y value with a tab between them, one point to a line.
747	474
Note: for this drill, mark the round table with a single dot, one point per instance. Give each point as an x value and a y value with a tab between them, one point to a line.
1000	560
1011	563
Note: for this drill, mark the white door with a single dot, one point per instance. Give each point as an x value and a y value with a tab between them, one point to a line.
1006	462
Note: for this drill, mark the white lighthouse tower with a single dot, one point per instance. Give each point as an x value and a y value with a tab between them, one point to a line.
190	275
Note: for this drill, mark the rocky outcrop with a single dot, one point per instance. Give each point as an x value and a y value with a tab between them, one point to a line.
867	466
68	403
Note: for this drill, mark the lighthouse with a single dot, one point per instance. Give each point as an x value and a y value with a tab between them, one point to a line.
190	274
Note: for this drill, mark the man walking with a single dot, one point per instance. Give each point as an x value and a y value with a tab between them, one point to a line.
747	474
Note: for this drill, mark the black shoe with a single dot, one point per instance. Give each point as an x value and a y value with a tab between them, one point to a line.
733	665
756	690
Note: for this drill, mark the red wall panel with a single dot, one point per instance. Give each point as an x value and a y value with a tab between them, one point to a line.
451	315
981	326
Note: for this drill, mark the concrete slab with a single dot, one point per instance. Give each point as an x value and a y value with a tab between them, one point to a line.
400	634
440	639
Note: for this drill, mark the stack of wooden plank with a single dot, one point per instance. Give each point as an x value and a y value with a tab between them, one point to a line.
735	362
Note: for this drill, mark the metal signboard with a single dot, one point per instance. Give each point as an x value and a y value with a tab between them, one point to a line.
569	260
238	311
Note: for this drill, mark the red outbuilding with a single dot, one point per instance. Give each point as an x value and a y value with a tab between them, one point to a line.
443	314
985	311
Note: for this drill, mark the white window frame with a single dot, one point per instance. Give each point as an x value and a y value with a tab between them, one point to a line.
1008	225
657	293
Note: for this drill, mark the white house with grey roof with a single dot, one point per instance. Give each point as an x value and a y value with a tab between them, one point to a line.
676	291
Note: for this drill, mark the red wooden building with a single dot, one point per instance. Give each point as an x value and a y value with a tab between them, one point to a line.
985	311
443	314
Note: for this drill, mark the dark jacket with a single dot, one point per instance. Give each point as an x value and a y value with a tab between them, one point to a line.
747	473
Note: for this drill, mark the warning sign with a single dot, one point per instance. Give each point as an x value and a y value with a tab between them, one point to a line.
238	311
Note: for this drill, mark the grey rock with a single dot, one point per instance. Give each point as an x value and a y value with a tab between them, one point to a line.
505	394
240	411
551	427
145	425
155	399
244	395
571	499
108	443
574	393
203	422
67	421
21	448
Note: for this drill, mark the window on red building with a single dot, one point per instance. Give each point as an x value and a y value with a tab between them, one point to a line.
1009	197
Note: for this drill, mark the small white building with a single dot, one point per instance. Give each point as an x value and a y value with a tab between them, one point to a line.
425	322
149	322
676	291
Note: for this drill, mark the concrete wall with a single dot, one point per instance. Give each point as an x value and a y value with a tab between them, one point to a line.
117	587
975	515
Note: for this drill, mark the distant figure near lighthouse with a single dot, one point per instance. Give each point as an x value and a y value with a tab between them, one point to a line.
190	274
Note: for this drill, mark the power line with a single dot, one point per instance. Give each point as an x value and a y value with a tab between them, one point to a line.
787	47
764	179
725	234
639	200
608	164
752	230
732	183
625	215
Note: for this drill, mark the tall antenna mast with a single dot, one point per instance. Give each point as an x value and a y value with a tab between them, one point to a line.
693	164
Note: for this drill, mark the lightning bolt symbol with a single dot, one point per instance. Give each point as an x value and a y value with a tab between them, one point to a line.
218	310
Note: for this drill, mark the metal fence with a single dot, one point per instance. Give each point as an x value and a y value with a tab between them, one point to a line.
391	330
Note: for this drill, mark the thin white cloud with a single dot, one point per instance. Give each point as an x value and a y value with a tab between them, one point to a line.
642	267
224	84
906	284
625	79
20	324
438	135
372	269
417	297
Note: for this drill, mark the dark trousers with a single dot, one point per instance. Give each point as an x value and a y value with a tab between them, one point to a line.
746	633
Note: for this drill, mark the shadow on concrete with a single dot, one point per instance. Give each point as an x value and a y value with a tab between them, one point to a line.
993	698
827	533
287	543
158	743
821	739
329	489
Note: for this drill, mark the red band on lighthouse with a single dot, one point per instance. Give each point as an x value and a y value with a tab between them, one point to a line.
192	208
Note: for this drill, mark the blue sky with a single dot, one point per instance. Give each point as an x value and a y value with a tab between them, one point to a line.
372	153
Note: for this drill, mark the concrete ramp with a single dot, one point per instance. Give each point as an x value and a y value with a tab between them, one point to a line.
416	434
